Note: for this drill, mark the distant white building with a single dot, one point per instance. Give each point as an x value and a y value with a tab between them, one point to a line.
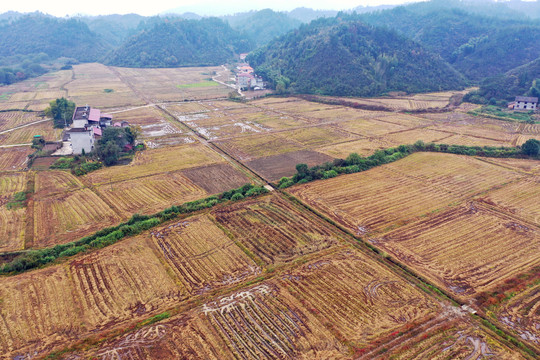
525	103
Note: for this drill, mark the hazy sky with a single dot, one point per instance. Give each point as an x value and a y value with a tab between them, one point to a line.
153	7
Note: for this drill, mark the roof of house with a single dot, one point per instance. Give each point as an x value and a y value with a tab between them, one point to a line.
94	115
527	99
81	113
97	131
106	116
83	129
245	75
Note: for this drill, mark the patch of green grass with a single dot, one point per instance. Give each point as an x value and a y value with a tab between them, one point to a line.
5	96
205	83
494	111
18	201
41	85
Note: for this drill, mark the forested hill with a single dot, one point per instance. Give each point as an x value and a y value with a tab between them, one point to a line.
179	42
338	57
33	34
523	80
262	26
475	45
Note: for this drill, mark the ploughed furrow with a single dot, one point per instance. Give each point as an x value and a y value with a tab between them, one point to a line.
519	198
10	183
371	201
460	174
467	249
37	309
68	216
12	227
275	229
55	181
450	336
150	194
256	324
201	255
358	297
122	281
521	314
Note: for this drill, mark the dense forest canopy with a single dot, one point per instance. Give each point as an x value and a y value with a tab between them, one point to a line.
180	42
260	27
52	36
342	57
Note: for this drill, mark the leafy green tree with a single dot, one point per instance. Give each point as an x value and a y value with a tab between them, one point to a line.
109	152
531	147
61	110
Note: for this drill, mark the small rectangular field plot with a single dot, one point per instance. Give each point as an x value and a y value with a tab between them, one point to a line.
150	194
466	249
14	158
273	168
157	161
39	309
123	282
68	216
248	148
99	86
525	165
274	229
451	335
216	178
251	324
462	175
520	198
409	137
55	181
359	299
12	227
363	147
318	136
25	134
175	84
201	255
374	200
521	313
10	183
11	119
370	127
472	141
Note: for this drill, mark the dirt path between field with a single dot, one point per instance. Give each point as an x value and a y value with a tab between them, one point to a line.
133	88
226	156
24	125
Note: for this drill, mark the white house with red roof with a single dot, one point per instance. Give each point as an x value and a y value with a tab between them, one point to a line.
86	129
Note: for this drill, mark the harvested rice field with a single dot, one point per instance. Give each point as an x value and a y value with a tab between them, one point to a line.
274	230
452	249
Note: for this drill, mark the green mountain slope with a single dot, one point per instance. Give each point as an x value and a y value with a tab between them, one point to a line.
179	42
33	34
262	26
523	80
335	57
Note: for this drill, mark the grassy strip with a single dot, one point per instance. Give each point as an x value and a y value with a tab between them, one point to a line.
18	201
497	113
355	163
198	85
35	258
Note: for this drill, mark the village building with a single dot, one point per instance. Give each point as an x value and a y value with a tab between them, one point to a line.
249	81
525	103
86	129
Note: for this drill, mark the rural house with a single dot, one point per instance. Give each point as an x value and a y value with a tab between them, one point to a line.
525	103
86	128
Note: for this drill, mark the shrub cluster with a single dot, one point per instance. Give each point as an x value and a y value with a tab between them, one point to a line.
18	201
108	236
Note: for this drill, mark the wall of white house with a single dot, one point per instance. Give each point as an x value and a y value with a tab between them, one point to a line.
82	140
